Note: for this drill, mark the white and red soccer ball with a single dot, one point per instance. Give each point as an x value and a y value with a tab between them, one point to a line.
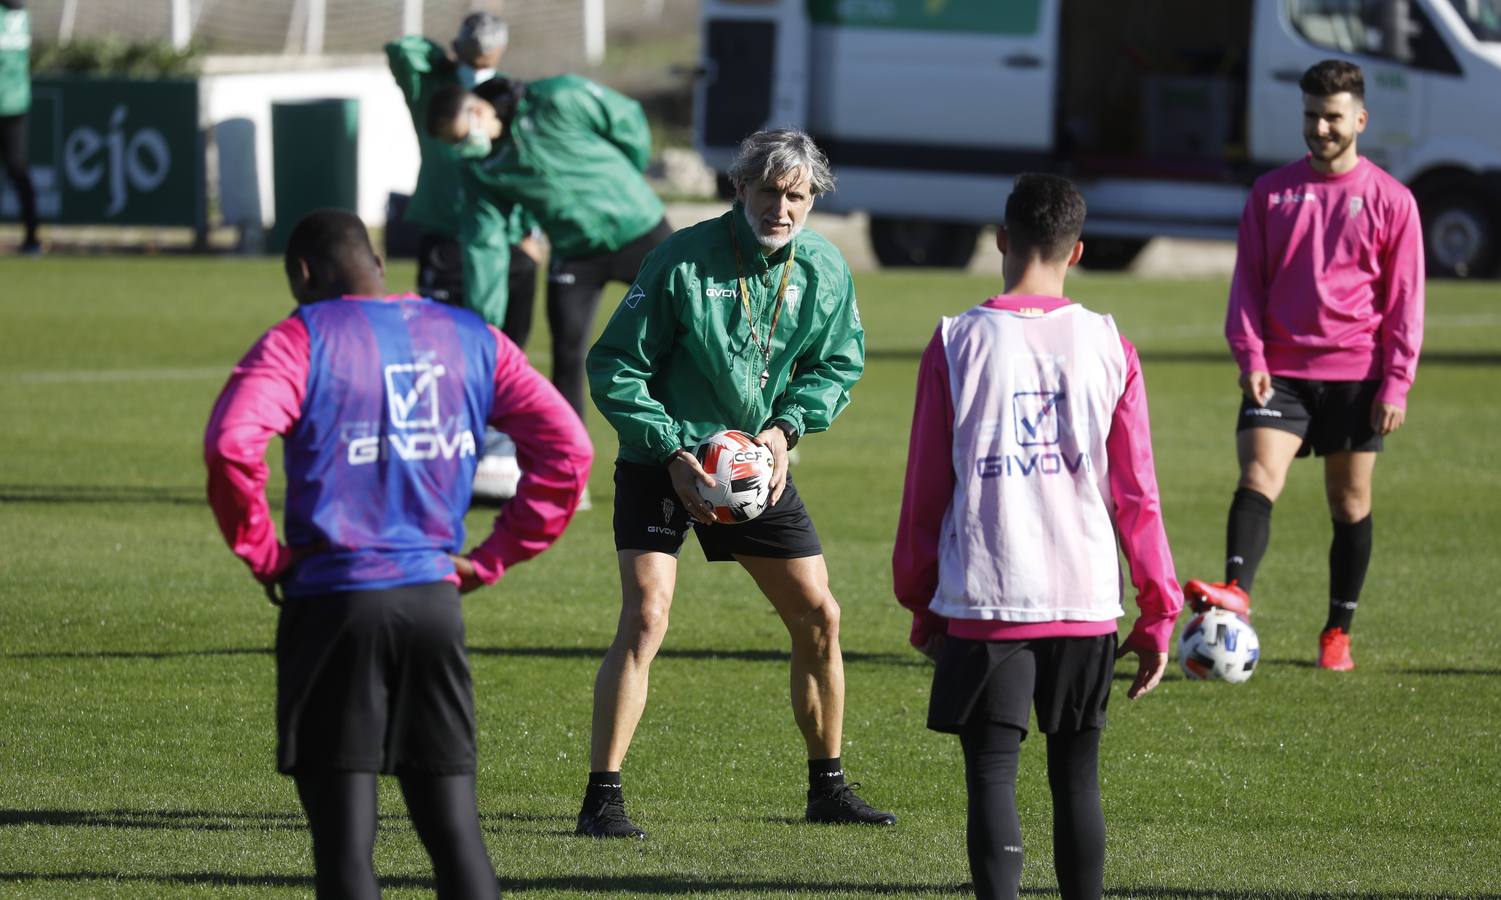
1218	644
741	469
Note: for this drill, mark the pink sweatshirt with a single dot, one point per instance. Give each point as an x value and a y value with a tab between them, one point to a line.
1328	279
264	397
930	489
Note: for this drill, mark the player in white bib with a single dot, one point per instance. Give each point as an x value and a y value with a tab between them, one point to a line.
1031	453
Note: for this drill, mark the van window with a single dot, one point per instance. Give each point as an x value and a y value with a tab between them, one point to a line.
1483	17
1349	26
1394	30
1018	17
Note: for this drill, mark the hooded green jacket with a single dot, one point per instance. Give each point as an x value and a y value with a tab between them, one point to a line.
677	363
15	61
573	155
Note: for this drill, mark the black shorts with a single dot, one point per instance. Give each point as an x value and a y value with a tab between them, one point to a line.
1330	416
374	681
999	681
648	516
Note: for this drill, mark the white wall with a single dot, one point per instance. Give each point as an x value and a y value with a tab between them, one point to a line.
388	155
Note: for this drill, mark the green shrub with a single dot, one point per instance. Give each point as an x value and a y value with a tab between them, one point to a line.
112	55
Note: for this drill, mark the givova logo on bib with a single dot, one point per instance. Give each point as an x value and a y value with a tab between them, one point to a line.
1037	414
412	394
1039	422
412	409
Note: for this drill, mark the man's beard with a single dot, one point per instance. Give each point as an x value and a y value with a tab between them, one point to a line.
768	243
1330	150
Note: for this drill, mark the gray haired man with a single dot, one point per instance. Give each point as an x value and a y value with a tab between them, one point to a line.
479	45
746	322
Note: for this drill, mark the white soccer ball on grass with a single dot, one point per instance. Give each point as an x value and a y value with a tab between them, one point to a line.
1218	645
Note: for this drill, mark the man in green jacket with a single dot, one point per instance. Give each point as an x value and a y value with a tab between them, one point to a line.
743	322
471	251
15	103
572	153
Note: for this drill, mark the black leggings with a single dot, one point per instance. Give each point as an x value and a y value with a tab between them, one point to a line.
991	751
13	160
521	296
341	812
573	288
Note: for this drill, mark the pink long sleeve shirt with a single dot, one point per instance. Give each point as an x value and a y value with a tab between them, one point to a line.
268	394
1062	506
1328	280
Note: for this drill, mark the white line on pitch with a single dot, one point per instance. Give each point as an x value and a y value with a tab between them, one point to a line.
101	376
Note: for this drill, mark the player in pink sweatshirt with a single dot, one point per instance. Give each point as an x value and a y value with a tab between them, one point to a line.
1031	453
1325	321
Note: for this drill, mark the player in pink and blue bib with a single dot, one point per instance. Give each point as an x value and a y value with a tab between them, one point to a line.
381	403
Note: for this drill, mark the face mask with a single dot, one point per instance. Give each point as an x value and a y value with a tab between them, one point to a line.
469	76
475	145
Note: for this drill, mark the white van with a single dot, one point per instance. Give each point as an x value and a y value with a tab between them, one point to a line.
1163	111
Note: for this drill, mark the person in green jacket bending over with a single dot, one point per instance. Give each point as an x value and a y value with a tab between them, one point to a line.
470	252
572	153
743	322
15	103
473	250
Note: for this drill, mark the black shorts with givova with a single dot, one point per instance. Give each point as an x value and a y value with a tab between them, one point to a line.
1330	416
649	516
374	681
1066	678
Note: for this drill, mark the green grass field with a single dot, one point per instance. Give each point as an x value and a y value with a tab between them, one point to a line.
136	682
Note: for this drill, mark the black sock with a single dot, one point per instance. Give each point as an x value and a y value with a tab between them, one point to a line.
1349	557
1246	536
603	783
825	773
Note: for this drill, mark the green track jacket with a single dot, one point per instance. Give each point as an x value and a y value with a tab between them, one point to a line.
676	363
15	62
421	68
448	200
573	157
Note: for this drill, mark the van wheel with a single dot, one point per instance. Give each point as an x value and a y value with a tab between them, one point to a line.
905	243
1459	235
1104	254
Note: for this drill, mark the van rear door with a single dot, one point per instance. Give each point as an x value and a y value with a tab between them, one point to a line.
754	75
938	85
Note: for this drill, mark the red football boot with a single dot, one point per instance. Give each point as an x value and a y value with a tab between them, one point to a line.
1202	595
1334	650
